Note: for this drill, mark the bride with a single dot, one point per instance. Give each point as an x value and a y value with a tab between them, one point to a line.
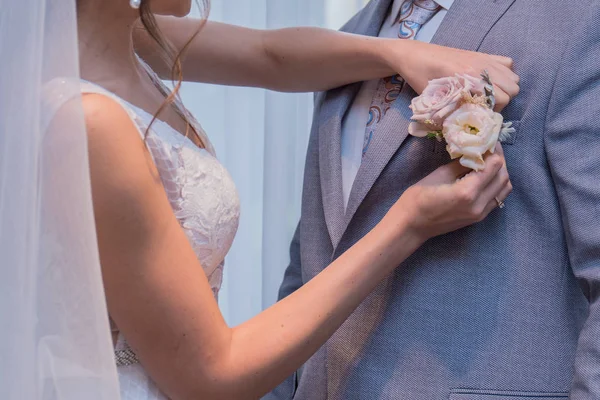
166	211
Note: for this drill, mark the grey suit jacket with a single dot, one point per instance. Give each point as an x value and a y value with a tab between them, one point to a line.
505	309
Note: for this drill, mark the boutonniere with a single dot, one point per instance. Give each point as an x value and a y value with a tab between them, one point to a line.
460	110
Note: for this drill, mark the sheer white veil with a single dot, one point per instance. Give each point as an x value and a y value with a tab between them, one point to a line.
55	339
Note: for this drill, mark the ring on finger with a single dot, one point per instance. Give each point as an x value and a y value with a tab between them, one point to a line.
500	203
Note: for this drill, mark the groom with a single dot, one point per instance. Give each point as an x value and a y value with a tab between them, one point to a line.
508	308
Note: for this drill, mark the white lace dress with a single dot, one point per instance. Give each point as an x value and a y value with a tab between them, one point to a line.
204	200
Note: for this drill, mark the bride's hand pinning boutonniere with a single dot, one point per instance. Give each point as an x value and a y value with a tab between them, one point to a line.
460	110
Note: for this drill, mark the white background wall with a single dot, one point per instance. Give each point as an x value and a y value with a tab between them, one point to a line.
337	12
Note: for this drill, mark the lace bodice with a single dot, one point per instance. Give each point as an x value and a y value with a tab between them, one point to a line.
204	200
200	190
202	195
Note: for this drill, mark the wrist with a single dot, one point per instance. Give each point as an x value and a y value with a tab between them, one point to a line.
380	51
404	230
395	54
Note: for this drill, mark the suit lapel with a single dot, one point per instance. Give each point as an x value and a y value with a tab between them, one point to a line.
465	27
335	106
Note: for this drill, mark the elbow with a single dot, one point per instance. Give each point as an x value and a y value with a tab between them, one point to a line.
206	384
221	379
219	388
210	375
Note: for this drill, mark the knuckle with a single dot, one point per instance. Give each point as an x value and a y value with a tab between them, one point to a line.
467	196
499	149
504	176
496	161
481	216
477	213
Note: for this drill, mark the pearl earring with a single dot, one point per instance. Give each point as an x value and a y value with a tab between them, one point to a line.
135	3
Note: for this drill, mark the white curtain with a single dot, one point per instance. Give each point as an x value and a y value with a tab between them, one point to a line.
261	137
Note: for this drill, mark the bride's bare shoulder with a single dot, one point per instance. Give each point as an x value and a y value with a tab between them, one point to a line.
108	116
116	147
109	125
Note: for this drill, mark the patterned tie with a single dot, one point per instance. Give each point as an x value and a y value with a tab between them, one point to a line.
413	15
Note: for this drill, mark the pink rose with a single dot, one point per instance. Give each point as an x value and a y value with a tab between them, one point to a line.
420	130
474	85
470	132
441	98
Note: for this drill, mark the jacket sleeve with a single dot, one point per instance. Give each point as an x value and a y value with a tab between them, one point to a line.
572	141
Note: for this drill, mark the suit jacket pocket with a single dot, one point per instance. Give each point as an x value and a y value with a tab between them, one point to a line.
472	394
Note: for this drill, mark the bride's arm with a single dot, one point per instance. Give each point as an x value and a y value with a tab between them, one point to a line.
293	59
305	59
159	296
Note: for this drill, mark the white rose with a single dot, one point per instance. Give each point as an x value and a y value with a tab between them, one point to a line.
470	132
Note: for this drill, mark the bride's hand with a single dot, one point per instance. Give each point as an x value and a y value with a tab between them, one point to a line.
429	61
441	202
